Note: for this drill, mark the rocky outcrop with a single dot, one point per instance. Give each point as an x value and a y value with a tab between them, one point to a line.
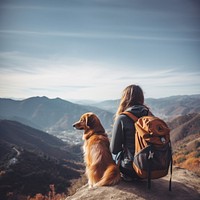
185	186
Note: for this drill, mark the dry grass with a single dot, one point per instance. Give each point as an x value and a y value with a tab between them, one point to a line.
51	195
187	154
76	184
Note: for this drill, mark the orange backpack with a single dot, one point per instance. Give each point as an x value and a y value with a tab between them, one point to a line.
153	154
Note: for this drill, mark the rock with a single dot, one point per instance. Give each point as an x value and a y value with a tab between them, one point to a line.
185	186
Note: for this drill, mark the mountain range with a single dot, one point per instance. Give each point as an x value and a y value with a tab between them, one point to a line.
48	114
31	159
59	115
167	108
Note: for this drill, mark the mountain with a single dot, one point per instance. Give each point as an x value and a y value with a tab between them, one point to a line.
49	114
31	160
34	140
110	105
167	108
184	126
171	107
57	115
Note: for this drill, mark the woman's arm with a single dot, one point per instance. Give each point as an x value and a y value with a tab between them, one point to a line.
117	137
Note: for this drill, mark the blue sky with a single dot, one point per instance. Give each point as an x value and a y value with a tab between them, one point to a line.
93	49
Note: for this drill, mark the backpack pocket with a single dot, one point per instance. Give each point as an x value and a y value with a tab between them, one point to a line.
153	160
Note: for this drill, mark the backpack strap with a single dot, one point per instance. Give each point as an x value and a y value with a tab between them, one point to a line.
170	180
134	118
129	114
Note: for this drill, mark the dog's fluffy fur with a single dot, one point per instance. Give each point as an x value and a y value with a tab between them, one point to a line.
101	170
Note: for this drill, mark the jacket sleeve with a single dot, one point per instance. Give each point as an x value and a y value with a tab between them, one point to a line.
117	137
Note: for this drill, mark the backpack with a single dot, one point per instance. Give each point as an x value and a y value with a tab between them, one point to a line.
153	153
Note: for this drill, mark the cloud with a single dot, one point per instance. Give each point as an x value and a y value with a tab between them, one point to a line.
102	35
22	75
52	76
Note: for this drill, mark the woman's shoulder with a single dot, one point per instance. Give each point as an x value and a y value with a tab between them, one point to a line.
139	110
122	116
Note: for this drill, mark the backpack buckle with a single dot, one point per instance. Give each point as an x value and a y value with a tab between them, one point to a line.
151	154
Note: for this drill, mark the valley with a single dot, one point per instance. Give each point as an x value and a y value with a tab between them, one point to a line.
71	137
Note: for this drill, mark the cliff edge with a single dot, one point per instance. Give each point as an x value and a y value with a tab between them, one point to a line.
185	186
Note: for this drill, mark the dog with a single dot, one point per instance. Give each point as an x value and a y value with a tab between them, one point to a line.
101	169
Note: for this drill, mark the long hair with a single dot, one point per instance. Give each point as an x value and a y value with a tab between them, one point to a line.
131	95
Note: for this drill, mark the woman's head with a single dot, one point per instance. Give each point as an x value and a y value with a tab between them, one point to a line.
132	95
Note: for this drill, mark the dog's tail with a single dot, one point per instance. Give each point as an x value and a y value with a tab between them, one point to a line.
110	177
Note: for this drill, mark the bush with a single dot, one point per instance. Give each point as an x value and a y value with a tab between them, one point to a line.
181	159
51	196
197	154
76	184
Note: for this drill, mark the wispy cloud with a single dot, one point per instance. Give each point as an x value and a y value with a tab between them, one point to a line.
83	79
103	35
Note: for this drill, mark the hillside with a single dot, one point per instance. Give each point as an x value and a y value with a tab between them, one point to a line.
34	140
31	160
172	107
185	137
32	173
186	153
49	114
184	126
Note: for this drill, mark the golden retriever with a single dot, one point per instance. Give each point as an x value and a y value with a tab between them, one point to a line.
101	170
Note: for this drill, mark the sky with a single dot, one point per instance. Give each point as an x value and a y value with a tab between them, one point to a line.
93	49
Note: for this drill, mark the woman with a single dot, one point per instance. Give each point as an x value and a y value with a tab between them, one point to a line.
123	139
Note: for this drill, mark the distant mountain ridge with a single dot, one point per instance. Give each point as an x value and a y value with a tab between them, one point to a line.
49	114
59	115
174	106
167	108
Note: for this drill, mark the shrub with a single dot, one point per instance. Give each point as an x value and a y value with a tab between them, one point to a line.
197	154
181	159
76	184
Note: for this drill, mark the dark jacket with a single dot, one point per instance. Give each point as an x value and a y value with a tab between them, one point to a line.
123	130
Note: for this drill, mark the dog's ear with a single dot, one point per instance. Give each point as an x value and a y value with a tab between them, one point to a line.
87	121
90	121
94	123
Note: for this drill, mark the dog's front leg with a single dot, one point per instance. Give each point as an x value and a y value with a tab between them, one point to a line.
90	181
90	184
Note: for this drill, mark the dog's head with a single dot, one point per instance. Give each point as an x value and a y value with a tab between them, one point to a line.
89	122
